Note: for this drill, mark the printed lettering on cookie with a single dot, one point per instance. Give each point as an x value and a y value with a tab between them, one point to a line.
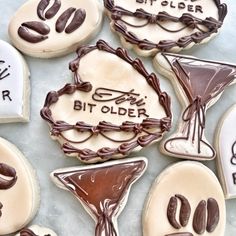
51	28
164	25
102	189
110	110
187	208
226	147
14	85
199	83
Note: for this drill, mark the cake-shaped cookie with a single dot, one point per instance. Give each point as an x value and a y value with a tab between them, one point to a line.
19	189
44	28
14	85
199	84
185	200
149	26
226	152
114	106
102	189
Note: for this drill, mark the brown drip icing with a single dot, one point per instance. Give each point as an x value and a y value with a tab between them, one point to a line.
102	190
103	128
189	21
201	81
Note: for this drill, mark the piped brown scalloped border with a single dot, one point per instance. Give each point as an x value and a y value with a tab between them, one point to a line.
106	153
187	19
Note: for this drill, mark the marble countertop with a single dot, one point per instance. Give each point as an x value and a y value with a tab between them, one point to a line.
59	210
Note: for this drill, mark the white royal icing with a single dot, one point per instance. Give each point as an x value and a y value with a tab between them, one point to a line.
12	75
225	141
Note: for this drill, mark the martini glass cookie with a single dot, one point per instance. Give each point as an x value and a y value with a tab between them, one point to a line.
110	110
149	26
185	200
19	189
226	151
36	230
102	189
199	84
44	28
14	85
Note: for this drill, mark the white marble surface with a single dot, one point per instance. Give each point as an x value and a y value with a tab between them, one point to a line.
59	210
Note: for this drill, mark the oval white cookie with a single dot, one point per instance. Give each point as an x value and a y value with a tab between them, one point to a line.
19	189
149	26
185	200
110	110
226	152
14	85
36	230
52	28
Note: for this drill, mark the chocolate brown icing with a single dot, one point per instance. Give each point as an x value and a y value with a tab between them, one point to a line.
10	173
29	232
103	128
233	158
102	189
38	34
188	20
205	218
40	30
202	81
51	12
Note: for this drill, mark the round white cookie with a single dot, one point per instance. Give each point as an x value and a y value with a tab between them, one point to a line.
14	85
53	28
185	200
149	26
19	189
226	152
36	230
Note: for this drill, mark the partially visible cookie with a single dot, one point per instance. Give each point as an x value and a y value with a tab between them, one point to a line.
44	28
149	26
19	189
198	83
226	152
14	85
110	110
102	189
186	199
36	230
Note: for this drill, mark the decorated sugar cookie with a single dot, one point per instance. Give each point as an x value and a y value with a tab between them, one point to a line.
44	28
102	189
36	230
149	26
226	152
14	85
110	110
19	190
185	200
199	84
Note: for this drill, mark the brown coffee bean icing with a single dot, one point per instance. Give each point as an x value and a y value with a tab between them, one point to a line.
8	182
102	189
